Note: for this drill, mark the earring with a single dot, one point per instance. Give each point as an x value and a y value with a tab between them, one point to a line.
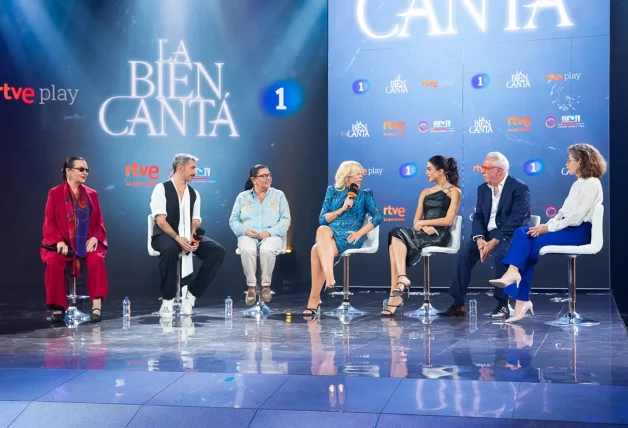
69	178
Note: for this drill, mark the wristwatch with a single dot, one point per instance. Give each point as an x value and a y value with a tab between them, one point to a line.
475	238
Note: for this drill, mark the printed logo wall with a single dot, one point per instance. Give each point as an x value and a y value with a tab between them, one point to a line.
412	79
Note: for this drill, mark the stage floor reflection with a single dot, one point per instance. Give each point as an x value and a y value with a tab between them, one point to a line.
436	366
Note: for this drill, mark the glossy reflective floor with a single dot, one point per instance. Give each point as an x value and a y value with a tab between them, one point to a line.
289	370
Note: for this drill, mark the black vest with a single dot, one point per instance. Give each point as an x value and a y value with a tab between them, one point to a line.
172	207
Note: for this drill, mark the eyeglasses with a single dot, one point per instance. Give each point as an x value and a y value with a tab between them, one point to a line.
486	169
264	176
81	169
571	160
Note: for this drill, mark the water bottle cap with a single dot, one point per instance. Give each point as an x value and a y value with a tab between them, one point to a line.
126	297
228	297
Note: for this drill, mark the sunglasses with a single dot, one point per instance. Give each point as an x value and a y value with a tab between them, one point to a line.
81	169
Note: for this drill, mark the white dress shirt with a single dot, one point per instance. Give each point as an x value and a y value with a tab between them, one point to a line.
492	225
158	207
583	196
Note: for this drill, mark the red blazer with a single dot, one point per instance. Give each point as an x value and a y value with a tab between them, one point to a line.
56	222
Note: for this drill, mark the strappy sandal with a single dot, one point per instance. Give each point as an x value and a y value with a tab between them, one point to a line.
250	296
266	294
405	288
313	312
56	318
390	314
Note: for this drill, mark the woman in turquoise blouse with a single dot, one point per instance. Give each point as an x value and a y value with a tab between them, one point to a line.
260	219
342	227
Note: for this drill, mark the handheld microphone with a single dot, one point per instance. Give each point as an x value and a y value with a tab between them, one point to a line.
353	191
197	237
54	248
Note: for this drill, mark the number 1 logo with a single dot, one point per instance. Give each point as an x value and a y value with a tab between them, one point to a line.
282	98
480	81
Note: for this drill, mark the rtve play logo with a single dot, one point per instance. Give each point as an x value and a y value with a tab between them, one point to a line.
27	94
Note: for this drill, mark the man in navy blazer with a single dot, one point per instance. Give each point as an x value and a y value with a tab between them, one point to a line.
503	206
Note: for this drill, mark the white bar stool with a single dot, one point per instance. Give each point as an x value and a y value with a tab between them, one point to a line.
427	310
371	245
572	252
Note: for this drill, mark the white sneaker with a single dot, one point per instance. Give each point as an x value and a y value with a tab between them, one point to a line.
166	309
187	301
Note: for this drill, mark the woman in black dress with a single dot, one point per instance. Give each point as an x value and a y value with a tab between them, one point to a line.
436	211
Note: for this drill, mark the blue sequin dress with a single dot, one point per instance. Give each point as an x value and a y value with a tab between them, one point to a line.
351	220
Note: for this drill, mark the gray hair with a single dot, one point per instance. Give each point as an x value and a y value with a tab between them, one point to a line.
499	160
182	159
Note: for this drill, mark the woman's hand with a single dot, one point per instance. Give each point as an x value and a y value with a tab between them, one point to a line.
265	234
418	225
353	237
92	243
538	230
430	230
253	234
62	248
347	205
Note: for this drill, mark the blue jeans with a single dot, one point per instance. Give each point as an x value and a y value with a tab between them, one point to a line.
524	253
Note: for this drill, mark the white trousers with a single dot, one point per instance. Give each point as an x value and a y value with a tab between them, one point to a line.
268	250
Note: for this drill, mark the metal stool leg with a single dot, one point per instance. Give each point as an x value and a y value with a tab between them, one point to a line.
259	308
345	309
426	310
572	317
73	315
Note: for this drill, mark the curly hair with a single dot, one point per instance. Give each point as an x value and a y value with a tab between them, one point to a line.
592	163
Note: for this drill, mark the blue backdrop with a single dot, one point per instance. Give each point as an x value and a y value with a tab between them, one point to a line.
412	79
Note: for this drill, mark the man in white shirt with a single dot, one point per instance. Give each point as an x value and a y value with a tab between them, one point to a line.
176	208
503	206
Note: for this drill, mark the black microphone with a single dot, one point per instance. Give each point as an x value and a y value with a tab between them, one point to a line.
353	191
54	248
197	237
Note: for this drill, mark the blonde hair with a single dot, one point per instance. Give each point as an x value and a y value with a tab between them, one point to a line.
346	170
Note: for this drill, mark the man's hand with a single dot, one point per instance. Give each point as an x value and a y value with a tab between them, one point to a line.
265	234
481	243
538	230
92	243
251	233
184	244
488	248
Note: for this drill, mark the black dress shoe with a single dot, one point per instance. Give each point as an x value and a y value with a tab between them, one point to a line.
500	312
454	311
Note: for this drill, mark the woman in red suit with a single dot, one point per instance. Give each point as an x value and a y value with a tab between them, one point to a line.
73	220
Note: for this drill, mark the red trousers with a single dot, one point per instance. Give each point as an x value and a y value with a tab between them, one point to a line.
56	287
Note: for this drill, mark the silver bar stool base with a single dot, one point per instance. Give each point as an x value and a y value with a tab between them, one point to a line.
570	319
74	316
426	310
345	310
560	299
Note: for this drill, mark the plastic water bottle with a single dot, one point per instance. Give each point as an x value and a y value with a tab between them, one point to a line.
228	307
385	303
473	308
126	308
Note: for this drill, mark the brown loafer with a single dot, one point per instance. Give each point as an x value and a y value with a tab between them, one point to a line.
250	296
266	294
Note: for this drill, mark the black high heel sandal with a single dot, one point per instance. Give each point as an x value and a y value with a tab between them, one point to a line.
390	313
328	289
313	312
405	288
95	317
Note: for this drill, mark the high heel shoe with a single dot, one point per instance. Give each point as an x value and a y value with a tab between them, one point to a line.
405	287
527	306
329	288
313	312
506	280
390	314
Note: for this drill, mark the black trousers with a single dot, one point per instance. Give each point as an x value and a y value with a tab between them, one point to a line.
210	252
467	258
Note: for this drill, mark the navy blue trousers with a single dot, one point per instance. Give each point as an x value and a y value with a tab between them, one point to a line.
524	253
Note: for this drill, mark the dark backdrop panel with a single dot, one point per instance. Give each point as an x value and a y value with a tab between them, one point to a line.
88	47
380	48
